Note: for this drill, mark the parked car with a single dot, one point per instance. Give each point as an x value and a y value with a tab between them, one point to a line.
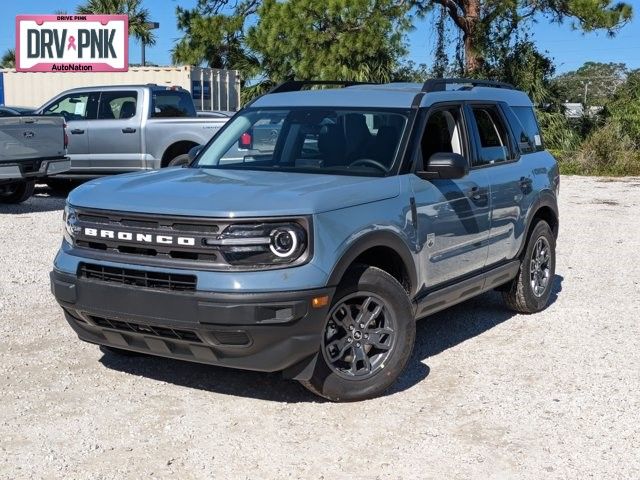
31	148
374	206
122	128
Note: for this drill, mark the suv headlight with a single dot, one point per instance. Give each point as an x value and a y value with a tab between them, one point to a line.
71	227
263	244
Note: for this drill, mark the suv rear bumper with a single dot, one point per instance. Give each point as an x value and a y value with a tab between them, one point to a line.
38	168
264	332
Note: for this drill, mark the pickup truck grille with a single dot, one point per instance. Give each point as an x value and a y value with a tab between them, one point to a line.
140	278
146	237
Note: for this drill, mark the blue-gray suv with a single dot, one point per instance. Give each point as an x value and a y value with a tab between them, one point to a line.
315	228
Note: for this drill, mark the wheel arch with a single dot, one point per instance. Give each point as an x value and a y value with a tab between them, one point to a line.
179	147
383	249
545	208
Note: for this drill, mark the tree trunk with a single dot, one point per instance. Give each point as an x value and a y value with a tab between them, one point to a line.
473	59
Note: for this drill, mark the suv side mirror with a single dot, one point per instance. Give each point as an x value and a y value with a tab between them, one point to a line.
444	165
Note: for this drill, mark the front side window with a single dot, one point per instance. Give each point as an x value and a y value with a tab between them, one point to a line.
309	140
492	136
117	105
75	106
442	133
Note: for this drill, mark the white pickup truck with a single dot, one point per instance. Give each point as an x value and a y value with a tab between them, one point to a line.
128	128
31	147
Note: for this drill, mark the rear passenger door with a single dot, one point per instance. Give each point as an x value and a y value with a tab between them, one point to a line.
115	138
453	215
499	156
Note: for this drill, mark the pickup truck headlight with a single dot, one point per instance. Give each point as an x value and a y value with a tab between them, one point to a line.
71	227
262	244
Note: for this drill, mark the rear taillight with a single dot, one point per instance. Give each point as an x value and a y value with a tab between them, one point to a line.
66	137
245	141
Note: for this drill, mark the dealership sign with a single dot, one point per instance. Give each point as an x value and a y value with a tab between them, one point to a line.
72	43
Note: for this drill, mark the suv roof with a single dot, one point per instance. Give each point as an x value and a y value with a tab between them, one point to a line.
394	95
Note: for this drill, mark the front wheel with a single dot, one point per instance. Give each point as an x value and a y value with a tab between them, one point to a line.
529	292
367	338
17	192
180	161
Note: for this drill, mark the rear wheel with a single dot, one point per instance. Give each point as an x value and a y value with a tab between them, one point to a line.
17	192
367	339
529	292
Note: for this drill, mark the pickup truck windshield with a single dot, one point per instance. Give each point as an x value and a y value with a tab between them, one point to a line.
309	140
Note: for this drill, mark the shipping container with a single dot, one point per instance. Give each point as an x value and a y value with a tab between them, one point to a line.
211	88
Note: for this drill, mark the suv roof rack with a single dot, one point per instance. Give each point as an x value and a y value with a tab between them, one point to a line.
297	85
440	84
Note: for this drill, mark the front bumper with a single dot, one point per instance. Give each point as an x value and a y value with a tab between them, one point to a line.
26	169
254	331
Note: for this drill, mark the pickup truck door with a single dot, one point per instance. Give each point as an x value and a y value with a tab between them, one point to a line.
78	110
115	136
452	215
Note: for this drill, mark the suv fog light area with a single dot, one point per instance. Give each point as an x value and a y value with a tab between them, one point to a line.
261	243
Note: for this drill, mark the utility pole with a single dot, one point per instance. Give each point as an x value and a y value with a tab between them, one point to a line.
150	26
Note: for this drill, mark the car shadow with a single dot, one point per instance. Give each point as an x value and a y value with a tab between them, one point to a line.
44	199
434	335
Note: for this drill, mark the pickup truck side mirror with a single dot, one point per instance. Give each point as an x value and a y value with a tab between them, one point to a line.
444	165
194	152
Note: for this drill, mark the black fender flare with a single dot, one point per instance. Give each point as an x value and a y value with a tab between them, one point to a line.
377	238
546	198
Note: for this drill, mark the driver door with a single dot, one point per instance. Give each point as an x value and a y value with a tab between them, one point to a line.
78	109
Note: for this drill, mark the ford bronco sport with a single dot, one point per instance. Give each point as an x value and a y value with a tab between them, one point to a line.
314	249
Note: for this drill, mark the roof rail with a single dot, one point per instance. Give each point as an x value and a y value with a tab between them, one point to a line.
297	85
440	84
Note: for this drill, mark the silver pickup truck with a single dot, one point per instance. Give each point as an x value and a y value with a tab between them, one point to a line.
127	128
31	147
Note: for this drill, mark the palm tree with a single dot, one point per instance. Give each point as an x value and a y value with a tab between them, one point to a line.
8	60
138	16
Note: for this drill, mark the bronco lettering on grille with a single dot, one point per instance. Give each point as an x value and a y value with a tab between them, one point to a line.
140	237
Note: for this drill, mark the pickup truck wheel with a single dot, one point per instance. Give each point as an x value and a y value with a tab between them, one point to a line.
180	160
529	292
17	192
367	339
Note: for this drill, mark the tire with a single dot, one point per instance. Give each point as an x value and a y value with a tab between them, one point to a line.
392	329
120	352
520	296
17	192
180	160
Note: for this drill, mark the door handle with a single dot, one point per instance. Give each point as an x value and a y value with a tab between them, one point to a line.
476	193
77	131
128	130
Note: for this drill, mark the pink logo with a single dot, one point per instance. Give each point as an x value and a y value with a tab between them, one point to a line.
72	43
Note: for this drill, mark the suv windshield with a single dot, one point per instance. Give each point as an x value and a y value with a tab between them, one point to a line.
309	140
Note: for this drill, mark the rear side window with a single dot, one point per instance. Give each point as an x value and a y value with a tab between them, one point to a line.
528	120
117	105
172	103
492	136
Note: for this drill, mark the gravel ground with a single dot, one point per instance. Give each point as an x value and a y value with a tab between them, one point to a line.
487	394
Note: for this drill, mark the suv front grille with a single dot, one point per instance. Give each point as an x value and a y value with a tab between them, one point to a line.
140	278
188	236
162	332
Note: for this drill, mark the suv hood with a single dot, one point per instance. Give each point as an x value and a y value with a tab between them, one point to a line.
231	193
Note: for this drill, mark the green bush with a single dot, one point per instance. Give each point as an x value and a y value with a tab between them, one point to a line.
608	150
